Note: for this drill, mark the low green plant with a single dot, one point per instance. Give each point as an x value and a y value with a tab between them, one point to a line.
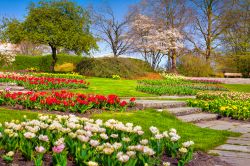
116	77
65	67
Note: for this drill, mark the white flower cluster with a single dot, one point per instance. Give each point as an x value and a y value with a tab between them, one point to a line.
112	137
172	134
7	57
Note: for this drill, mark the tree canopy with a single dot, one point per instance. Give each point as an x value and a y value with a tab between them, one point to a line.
57	23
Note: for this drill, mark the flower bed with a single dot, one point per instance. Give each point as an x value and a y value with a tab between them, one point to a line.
176	86
229	104
169	90
43	83
89	142
59	75
224	95
63	101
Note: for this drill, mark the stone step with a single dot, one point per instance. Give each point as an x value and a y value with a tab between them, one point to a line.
234	148
198	117
233	158
183	110
159	104
239	141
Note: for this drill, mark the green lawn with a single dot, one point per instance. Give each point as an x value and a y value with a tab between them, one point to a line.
204	139
238	87
7	115
105	86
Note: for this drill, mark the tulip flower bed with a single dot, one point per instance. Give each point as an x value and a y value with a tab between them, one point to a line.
223	95
176	86
230	104
83	141
43	83
59	75
63	101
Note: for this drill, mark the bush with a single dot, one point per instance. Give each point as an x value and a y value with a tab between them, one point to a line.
66	67
243	64
106	67
190	65
235	64
42	63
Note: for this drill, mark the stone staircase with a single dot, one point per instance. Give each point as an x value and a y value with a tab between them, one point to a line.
178	108
236	151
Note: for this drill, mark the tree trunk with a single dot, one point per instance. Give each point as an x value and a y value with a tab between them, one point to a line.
209	31
173	60
54	58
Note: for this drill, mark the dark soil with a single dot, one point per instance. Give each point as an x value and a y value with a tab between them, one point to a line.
199	159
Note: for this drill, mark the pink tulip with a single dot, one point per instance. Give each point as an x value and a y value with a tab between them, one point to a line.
58	149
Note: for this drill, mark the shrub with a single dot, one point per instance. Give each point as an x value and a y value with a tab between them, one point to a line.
66	67
234	63
190	65
116	77
106	67
42	63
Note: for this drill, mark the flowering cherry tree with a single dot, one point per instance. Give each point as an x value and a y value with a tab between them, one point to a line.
152	40
7	58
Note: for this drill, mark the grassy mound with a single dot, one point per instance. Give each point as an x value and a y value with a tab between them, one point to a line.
106	67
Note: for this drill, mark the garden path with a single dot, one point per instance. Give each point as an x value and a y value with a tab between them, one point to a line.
236	151
226	80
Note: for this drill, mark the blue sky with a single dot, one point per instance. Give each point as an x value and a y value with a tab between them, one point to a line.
18	9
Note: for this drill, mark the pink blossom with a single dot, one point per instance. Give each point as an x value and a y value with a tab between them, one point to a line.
40	149
58	149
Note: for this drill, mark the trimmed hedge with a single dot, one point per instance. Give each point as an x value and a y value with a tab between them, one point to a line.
106	67
42	63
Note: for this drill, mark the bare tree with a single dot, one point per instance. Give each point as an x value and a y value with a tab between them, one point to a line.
236	36
208	28
113	31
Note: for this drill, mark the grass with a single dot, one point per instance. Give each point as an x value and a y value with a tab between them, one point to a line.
205	139
7	115
106	86
238	87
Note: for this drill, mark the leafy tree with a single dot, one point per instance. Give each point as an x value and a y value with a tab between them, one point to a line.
57	23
